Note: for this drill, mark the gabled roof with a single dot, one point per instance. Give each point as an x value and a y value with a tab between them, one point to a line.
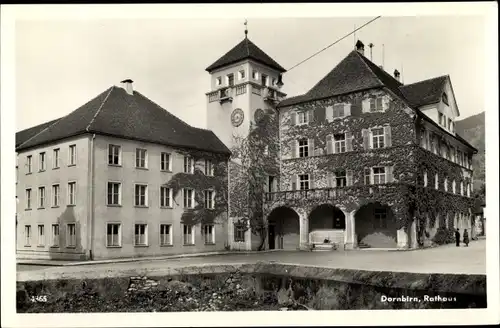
24	135
116	113
246	49
425	92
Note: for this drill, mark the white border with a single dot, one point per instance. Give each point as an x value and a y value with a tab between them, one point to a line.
387	317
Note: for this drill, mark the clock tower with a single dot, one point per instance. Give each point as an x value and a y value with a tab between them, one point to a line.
245	85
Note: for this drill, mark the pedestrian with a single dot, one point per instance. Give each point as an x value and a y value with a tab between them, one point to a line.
466	238
457	237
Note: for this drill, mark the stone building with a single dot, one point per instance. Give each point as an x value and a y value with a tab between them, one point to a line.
366	161
119	177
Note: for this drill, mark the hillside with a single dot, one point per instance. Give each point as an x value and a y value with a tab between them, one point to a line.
472	129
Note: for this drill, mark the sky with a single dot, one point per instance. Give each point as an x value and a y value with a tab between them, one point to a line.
62	64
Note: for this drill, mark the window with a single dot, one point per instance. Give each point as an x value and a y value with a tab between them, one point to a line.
242	74
303	148
71	193
209	199
263	79
449	124
378	138
445	98
338	110
209	170
188	195
467	187
165	234
165	197
368	176
29	163
255	75
165	162
239	232
339	140
55	235
27	235
376	104
71	235
302	118
454	187
218	81
55	195
55	159
114	153
113	235
41	235
41	197
440	118
436	182
304	181
28	199
42	163
445	183
273	82
380	216
378	175
188	164
140	158
114	193
209	234
140	235
266	150
187	234
340	178
141	195
461	188
230	80
72	155
425	179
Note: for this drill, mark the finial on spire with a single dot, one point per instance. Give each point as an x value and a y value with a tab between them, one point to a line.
246	29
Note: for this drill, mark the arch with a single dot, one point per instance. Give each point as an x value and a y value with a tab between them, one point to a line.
283	229
326	222
376	226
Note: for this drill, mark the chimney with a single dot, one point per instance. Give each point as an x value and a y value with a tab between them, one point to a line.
127	85
360	47
397	75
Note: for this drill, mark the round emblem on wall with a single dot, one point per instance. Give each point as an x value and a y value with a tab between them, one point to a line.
237	117
258	115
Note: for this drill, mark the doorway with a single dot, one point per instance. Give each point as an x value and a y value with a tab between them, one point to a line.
272	236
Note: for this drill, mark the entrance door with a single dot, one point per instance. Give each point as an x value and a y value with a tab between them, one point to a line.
271	237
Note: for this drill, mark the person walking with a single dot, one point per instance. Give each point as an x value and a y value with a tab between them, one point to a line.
466	238
457	237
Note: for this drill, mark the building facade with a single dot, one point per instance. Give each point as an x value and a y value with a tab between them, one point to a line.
113	189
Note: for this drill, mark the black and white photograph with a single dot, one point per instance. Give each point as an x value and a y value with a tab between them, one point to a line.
179	159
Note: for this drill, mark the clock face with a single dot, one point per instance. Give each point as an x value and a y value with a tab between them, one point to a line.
237	117
259	115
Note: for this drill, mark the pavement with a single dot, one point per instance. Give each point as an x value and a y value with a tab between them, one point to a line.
443	259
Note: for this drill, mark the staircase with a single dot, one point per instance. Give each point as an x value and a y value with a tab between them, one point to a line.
362	245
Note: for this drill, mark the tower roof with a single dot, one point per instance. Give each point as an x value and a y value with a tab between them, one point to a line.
246	49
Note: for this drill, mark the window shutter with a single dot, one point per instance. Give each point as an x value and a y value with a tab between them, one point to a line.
366	140
348	140
334	180
293	148
349	181
365	105
347	109
387	134
311	115
320	114
329	113
368	175
293	118
329	144
388	174
385	102
311	147
311	181
329	178
294	183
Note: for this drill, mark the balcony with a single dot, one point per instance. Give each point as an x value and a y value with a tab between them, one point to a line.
271	95
222	95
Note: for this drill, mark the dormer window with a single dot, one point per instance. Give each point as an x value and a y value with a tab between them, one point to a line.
445	98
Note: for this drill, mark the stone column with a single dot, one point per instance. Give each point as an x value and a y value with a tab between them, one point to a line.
413	234
402	237
350	239
304	230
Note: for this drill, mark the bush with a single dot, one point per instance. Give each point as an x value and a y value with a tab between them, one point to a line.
444	236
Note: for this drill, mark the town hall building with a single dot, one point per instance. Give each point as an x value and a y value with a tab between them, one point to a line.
360	160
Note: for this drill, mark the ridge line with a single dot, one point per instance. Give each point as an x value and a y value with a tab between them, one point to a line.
100	107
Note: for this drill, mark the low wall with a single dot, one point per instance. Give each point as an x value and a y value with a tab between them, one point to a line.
261	286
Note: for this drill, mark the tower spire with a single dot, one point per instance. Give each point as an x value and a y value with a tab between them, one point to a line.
246	28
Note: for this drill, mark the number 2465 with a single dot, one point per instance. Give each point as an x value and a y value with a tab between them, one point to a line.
39	298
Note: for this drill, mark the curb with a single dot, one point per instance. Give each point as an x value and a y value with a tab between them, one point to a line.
139	259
